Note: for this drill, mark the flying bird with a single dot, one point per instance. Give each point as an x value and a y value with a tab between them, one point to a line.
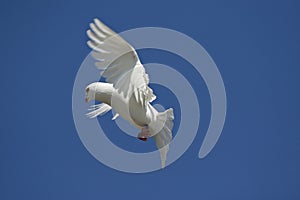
126	89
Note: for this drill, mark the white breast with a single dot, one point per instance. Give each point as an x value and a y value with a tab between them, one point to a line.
130	110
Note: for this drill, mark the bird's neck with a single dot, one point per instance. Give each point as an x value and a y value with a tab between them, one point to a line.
104	93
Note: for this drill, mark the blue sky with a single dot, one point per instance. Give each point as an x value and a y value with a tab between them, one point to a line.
255	45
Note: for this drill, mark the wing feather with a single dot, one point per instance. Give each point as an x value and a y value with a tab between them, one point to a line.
119	62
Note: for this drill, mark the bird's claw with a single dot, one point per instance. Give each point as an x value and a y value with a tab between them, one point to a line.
145	134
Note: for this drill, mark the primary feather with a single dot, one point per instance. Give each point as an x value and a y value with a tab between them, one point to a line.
119	62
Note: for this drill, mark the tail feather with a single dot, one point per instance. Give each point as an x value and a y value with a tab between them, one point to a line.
164	136
99	109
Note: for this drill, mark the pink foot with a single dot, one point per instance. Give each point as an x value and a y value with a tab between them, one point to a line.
145	134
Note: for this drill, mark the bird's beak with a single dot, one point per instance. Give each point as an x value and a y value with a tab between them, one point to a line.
86	99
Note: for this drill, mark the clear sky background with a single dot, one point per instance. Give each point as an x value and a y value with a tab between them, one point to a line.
255	45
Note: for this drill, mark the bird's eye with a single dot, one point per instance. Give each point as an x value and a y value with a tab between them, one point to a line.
87	89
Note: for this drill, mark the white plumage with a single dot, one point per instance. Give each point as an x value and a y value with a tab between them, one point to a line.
126	90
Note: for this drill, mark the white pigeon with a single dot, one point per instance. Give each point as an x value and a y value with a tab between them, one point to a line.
126	90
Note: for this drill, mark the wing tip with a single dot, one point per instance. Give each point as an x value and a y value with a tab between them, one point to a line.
96	19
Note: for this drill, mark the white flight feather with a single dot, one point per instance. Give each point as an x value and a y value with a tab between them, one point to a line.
97	110
119	62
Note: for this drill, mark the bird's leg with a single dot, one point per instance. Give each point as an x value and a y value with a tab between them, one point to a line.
145	134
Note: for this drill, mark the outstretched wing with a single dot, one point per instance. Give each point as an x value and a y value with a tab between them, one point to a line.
119	63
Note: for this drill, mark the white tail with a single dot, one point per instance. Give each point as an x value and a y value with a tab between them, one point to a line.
164	136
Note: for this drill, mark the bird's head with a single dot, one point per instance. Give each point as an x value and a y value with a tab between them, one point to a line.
90	92
99	91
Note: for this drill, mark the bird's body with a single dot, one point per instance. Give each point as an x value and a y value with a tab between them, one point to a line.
127	108
126	90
